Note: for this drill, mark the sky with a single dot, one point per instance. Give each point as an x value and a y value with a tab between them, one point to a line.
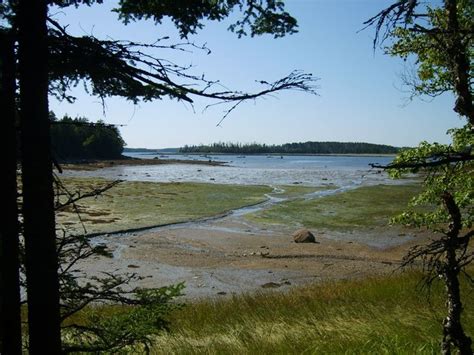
361	97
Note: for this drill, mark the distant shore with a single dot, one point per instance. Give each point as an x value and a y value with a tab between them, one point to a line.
145	152
95	164
295	154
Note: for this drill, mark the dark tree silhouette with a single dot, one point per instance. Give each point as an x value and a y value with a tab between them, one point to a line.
10	325
39	227
80	139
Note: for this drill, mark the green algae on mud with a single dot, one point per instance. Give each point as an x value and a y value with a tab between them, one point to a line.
298	191
134	205
364	207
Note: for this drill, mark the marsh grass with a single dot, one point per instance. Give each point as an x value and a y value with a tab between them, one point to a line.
389	315
365	207
132	205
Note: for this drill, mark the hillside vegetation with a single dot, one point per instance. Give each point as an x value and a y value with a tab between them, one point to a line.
77	138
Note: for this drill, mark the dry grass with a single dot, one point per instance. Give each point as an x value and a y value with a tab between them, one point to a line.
390	315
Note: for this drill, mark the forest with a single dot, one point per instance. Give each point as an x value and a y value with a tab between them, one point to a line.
78	138
293	148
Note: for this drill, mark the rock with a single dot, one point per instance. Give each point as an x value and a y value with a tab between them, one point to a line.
222	293
303	236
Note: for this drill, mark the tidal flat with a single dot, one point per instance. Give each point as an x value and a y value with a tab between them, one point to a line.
366	207
250	285
220	240
135	205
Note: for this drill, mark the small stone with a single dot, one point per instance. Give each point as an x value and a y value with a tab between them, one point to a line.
303	236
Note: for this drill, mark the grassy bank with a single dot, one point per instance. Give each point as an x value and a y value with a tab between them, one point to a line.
388	315
369	206
141	204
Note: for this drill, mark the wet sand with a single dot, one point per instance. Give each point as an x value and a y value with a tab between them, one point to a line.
229	256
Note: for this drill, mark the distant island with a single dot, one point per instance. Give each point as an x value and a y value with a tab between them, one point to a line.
152	151
292	148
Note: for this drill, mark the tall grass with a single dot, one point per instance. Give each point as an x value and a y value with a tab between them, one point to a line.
390	315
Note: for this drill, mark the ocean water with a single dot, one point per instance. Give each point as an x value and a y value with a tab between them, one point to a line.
305	170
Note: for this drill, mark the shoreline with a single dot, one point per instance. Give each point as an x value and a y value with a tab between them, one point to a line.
269	154
96	164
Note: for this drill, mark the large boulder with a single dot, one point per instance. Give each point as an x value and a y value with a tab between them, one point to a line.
303	236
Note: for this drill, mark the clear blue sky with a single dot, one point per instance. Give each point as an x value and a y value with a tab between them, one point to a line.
361	97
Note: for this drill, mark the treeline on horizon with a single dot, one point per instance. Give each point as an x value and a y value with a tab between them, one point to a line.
78	138
293	148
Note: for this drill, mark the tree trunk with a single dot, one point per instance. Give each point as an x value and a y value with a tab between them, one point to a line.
458	51
38	194
10	311
453	332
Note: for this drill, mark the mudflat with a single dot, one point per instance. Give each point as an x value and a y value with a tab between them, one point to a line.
218	246
230	256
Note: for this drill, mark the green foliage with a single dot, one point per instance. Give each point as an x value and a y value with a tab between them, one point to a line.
259	16
293	148
455	178
127	328
434	59
77	139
